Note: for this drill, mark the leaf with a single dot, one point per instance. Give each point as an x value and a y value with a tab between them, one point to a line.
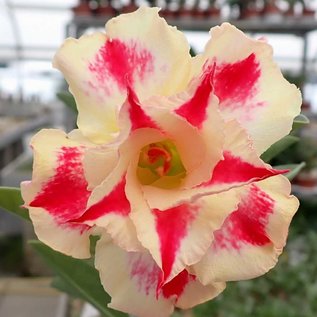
11	200
278	147
294	169
80	277
60	284
299	121
68	100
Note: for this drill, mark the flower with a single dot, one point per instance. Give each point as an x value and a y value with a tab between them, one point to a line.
165	164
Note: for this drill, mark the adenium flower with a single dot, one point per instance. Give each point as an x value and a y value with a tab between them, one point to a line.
165	164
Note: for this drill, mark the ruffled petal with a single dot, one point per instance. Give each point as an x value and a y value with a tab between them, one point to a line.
240	165
98	163
249	85
133	281
99	67
167	66
109	208
58	192
196	293
253	236
240	161
188	135
179	236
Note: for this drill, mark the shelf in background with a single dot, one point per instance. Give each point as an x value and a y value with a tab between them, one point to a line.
282	25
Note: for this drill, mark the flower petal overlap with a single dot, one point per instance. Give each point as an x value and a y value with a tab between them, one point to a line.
165	164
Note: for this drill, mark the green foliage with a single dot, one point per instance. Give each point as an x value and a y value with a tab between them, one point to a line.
300	121
77	277
294	169
303	151
278	147
286	142
11	200
68	99
12	247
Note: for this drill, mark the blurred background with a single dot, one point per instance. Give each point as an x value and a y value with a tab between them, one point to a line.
34	95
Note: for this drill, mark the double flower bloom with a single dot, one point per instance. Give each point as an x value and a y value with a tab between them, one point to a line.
165	164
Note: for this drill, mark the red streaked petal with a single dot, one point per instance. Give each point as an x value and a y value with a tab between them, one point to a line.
138	118
195	109
99	66
65	195
131	279
246	224
57	192
109	208
176	286
249	85
123	62
236	82
179	236
115	202
238	171
172	226
253	235
134	277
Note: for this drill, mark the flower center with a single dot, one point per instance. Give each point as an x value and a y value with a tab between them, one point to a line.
160	165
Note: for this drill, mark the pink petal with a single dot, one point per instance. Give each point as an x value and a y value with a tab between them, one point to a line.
236	83
195	109
179	236
249	85
99	67
58	192
253	235
172	227
240	171
65	195
109	209
132	114
114	202
123	62
133	277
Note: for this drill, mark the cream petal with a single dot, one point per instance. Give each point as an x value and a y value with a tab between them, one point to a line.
249	85
109	208
131	279
240	165
99	68
58	192
253	236
179	236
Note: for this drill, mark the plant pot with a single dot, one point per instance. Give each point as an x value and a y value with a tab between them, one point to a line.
307	178
306	106
129	8
308	12
82	9
106	10
290	12
271	12
185	13
168	13
212	12
198	13
249	13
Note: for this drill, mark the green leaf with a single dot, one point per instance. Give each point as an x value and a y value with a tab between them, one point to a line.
11	200
278	147
80	277
299	121
68	100
60	284
294	169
